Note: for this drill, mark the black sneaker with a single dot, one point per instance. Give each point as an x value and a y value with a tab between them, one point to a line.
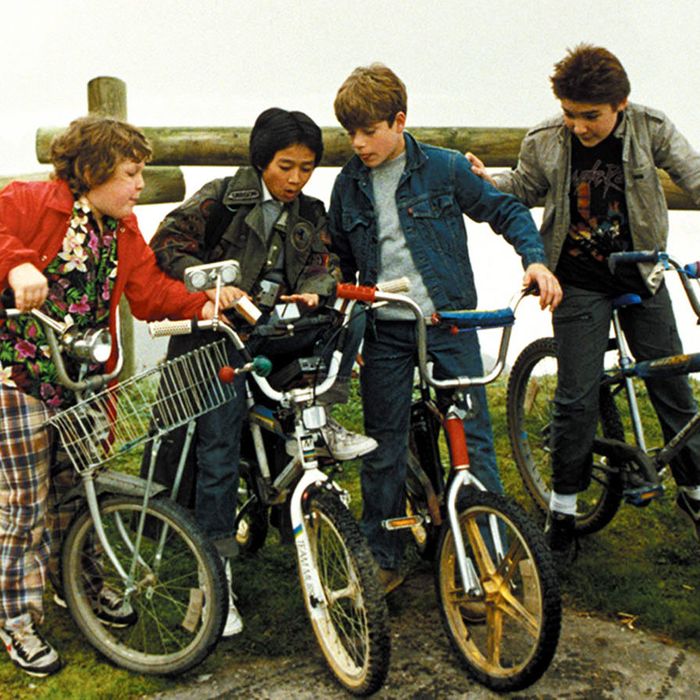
691	507
560	534
29	651
110	609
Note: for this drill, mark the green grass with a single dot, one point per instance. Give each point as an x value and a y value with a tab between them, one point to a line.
645	565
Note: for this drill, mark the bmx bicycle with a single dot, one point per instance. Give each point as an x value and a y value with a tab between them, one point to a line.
495	580
281	473
623	471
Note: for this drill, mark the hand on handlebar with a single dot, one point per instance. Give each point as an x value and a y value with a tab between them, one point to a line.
29	285
547	284
311	301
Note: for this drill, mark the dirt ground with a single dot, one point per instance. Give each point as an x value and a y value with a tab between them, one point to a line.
595	659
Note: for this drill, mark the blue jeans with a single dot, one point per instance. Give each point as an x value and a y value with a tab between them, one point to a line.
387	384
218	441
581	329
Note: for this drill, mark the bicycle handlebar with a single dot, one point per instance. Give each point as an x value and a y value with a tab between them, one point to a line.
471	320
94	345
685	273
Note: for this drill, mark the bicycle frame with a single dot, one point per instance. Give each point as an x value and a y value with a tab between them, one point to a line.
666	366
302	472
461	475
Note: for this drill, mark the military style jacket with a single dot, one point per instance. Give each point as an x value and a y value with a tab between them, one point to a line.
184	237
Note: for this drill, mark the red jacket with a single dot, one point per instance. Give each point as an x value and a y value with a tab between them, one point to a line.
34	218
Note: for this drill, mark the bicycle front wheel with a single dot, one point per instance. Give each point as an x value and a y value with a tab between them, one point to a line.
505	630
175	596
351	622
530	401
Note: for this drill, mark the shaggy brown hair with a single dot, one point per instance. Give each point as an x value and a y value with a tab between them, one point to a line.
370	94
88	152
592	75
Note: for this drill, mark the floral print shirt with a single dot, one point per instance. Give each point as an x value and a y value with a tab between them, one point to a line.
81	278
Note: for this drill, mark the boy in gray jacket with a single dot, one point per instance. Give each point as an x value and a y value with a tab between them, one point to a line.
595	167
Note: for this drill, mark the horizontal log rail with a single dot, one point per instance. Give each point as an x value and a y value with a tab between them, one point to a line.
163	184
228	146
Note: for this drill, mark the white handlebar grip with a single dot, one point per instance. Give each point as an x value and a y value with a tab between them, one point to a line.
158	329
395	286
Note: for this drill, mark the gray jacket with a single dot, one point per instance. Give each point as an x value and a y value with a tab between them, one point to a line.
649	141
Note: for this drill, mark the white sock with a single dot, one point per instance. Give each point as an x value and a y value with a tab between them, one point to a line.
563	503
691	491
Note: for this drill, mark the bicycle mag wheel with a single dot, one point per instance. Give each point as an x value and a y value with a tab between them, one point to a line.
507	634
530	400
352	628
178	595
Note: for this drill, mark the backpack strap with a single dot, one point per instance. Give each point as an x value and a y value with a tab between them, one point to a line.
220	218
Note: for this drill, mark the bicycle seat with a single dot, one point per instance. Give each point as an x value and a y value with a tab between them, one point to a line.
628	299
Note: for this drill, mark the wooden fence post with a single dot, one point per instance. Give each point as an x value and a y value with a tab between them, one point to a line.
107	97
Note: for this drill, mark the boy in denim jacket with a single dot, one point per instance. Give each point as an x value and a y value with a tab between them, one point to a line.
396	210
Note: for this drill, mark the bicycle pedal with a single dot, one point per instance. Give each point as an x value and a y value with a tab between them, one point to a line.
405	522
642	496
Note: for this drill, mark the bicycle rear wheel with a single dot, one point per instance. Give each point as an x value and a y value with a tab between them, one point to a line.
530	400
351	623
178	590
506	634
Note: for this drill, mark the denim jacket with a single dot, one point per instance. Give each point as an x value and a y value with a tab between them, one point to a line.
435	189
649	141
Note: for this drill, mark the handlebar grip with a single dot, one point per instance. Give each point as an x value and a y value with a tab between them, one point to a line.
633	256
399	285
355	291
692	270
361	292
158	329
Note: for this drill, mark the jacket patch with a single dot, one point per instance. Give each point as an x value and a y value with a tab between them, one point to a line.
302	234
243	195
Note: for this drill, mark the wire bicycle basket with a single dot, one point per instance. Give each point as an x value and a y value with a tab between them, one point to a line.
143	407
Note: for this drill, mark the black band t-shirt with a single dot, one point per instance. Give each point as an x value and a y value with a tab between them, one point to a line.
599	222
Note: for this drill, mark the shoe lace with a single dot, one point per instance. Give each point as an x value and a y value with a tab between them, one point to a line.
339	431
30	641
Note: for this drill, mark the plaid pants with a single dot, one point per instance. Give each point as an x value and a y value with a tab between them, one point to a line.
29	522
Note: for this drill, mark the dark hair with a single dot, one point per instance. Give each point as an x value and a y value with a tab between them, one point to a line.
276	129
590	74
88	152
370	94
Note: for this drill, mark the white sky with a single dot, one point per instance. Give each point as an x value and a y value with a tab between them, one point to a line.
221	62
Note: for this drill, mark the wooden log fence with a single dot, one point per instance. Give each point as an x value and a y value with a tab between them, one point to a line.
228	146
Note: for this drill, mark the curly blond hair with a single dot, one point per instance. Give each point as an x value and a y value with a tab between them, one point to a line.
88	152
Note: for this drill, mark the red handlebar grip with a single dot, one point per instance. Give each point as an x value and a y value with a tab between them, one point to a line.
356	291
457	442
